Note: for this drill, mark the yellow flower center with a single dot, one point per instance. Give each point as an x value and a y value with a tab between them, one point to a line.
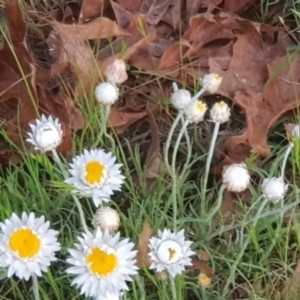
217	77
204	280
101	263
25	242
172	253
201	106
222	104
95	172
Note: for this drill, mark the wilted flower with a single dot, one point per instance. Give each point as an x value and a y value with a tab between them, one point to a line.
170	252
106	218
102	263
27	245
204	280
46	134
95	173
220	112
211	82
107	93
195	111
116	72
274	189
181	98
236	177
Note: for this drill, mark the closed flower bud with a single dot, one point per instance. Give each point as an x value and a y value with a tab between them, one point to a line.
220	112
46	134
180	99
116	72
296	132
195	111
106	218
107	93
211	82
274	189
236	177
203	280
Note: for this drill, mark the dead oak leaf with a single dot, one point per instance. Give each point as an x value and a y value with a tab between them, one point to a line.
263	109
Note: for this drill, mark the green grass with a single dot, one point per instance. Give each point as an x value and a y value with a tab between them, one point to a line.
256	253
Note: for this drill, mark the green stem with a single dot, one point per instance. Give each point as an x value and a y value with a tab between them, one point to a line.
174	175
66	175
173	288
208	163
197	95
169	138
284	162
35	288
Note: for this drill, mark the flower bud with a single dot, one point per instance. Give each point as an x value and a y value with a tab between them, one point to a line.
203	280
46	134
211	82
106	218
274	189
116	72
180	99
106	93
296	132
195	111
236	177
220	112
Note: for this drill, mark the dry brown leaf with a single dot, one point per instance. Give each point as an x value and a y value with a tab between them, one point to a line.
202	266
91	8
131	5
142	257
173	56
237	7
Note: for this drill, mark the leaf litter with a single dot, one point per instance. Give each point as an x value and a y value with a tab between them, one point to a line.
171	40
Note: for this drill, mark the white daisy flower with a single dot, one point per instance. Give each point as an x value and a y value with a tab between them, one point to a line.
102	263
116	72
236	177
181	98
46	134
195	111
95	173
220	112
110	296
211	82
170	252
106	218
27	245
274	189
106	93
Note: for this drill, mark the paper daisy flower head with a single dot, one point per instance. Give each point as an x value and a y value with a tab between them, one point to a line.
116	72
195	111
180	99
220	112
46	134
95	173
203	280
274	189
106	93
27	245
102	263
236	177
110	296
106	218
170	251
211	82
